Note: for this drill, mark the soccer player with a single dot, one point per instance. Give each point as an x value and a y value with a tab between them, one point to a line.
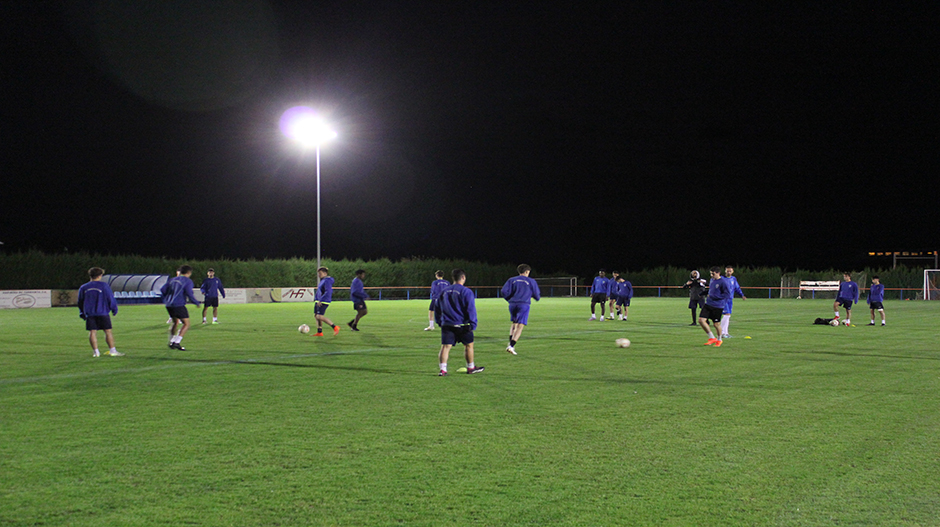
211	287
437	286
599	290
715	302
358	295
876	297
624	295
735	290
697	291
848	295
175	293
170	319
519	292
323	298
456	314
613	289
95	302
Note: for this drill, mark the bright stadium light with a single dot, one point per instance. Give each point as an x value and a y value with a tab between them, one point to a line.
302	124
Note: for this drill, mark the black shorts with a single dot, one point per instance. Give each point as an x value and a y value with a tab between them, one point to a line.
211	301
433	305
453	334
598	298
845	303
179	312
711	313
876	305
359	306
320	308
98	322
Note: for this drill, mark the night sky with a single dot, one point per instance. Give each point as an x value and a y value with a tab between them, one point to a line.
619	135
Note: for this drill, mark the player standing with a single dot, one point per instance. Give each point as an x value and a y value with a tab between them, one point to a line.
697	291
624	295
519	292
95	302
211	288
735	290
715	302
456	314
876	297
175	293
437	286
613	289
599	290
322	301
358	295
848	295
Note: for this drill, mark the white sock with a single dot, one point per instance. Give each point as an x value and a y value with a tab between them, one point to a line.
215	319
203	319
97	352
470	366
443	366
711	335
113	350
837	314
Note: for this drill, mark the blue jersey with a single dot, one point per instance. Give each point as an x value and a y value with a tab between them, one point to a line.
876	293
177	290
211	287
600	285
325	290
848	291
357	291
718	293
625	289
456	307
735	290
437	286
95	299
520	290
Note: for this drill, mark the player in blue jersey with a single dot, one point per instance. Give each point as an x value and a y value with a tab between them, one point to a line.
175	293
613	288
358	295
456	314
624	295
322	299
876	298
599	290
96	304
437	286
735	290
211	289
519	292
848	295
715	302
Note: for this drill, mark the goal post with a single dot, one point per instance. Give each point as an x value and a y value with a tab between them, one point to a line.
930	291
558	285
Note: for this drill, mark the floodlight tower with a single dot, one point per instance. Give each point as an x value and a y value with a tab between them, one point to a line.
303	125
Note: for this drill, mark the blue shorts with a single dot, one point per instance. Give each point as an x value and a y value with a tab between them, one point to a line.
97	322
728	306
320	308
433	305
519	313
451	335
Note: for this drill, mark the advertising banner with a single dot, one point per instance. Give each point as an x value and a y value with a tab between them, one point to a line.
25	299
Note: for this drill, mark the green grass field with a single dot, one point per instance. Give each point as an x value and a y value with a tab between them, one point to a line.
256	424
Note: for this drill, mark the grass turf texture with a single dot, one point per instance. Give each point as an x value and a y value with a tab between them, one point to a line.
256	424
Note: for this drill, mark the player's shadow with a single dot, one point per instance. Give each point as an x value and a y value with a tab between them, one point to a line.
249	362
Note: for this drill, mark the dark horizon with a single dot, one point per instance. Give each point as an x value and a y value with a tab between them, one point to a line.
614	135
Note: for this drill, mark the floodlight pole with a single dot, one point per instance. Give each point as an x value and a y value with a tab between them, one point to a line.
318	213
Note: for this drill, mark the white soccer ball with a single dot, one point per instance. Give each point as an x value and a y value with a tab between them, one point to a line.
304	329
834	322
623	343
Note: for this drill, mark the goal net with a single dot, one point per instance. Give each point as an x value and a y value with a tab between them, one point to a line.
558	285
930	291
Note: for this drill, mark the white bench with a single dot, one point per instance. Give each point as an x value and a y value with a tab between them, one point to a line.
817	285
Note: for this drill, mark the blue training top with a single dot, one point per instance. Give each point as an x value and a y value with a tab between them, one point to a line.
95	299
521	290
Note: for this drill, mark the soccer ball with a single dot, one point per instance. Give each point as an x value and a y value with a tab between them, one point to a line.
304	329
623	343
834	322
